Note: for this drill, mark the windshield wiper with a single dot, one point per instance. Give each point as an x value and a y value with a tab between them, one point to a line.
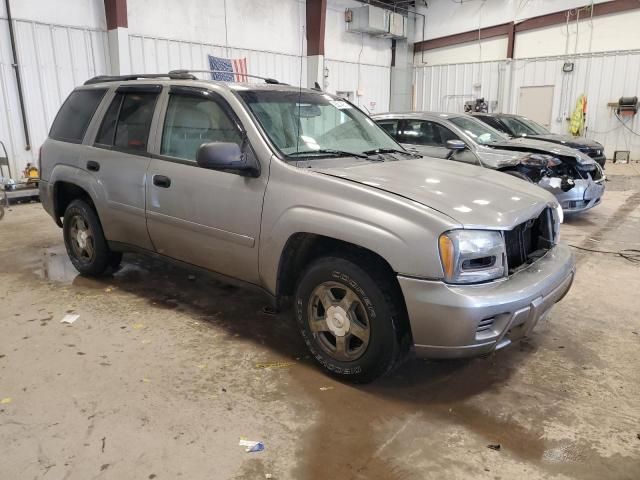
327	151
390	150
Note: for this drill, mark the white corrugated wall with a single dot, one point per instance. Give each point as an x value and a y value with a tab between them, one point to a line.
602	77
155	54
372	81
53	59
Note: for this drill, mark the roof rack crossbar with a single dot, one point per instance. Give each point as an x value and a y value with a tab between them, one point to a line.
179	75
266	79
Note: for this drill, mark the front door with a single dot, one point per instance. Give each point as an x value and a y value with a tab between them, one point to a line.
203	217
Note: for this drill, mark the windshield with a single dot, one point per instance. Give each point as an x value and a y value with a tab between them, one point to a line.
306	124
478	131
523	126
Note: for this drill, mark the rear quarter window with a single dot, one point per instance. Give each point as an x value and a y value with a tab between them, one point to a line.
75	114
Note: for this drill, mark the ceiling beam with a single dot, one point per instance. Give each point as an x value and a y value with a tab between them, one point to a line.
316	19
116	14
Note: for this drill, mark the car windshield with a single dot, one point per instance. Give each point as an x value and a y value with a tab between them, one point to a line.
478	131
523	126
308	124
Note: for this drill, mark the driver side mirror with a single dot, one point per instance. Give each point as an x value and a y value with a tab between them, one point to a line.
227	156
455	146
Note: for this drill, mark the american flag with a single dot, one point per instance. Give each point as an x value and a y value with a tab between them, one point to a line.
228	69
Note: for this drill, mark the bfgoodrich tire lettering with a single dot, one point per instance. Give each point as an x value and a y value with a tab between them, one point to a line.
357	334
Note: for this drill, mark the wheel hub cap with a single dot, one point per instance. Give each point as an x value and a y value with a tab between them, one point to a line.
338	321
82	238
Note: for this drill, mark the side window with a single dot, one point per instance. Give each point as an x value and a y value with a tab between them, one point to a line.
127	121
422	132
390	126
108	128
75	114
445	135
495	123
191	121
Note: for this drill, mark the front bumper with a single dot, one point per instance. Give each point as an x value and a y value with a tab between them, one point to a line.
585	195
451	321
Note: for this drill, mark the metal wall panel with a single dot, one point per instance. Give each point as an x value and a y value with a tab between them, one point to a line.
602	77
445	88
372	81
53	60
155	54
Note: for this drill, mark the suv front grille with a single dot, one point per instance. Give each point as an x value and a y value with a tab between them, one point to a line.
529	240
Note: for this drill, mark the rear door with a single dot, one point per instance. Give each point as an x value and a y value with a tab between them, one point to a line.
119	160
203	217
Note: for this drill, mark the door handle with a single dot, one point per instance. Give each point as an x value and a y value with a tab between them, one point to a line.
161	181
93	166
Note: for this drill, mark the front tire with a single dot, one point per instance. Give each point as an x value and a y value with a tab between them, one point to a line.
84	240
350	320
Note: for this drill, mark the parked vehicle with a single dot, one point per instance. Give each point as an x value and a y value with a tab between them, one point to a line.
300	194
518	126
575	179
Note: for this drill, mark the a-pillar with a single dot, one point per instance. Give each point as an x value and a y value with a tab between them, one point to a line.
118	36
316	18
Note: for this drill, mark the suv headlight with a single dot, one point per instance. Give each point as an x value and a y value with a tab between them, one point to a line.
472	256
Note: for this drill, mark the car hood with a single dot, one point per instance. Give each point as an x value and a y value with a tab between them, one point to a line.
525	144
568	140
472	196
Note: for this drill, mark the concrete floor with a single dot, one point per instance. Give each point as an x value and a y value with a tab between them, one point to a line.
163	373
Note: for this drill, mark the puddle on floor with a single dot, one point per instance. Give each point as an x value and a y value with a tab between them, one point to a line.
57	267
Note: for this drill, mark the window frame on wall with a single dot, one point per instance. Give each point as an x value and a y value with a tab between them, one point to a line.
121	93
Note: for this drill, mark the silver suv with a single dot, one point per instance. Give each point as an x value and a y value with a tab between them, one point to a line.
299	193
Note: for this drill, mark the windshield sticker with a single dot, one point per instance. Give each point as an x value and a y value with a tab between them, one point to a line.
340	104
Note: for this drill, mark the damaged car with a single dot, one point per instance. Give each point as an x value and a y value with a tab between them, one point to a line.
518	126
576	180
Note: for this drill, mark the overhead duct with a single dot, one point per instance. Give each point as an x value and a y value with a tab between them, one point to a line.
376	21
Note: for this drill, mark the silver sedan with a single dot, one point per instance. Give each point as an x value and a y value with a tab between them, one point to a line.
575	179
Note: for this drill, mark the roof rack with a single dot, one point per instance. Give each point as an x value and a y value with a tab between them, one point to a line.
178	75
266	79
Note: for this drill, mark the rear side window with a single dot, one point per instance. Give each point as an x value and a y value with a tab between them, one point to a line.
127	121
75	114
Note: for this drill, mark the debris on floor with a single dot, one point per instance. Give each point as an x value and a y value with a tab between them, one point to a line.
324	389
274	364
5	401
494	446
69	318
252	446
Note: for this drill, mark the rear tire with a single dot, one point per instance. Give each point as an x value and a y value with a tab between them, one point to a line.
350	319
84	240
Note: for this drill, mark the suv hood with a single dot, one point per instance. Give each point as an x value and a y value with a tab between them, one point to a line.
524	144
472	196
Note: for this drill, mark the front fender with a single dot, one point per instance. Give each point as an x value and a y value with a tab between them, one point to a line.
403	232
